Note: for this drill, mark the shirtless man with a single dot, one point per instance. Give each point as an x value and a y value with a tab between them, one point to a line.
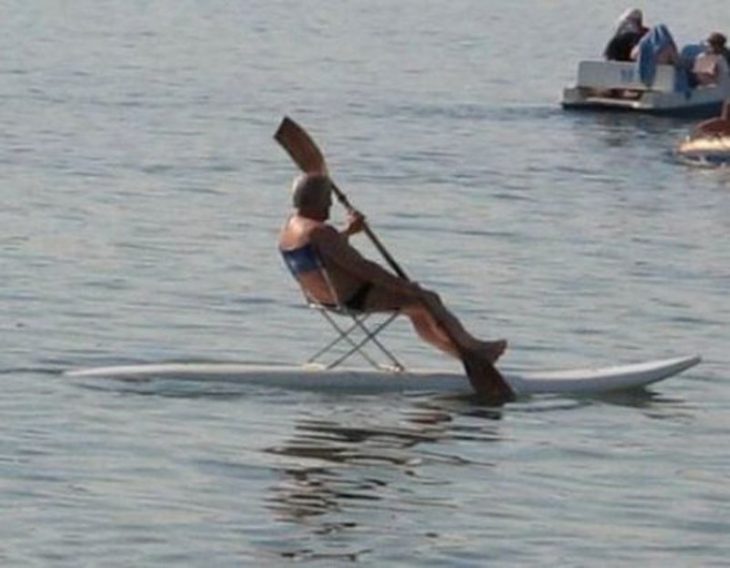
361	284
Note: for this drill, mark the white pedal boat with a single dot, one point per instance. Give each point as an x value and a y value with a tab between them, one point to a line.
615	85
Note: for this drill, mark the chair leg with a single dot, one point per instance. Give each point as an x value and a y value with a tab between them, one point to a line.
344	336
343	333
371	336
358	346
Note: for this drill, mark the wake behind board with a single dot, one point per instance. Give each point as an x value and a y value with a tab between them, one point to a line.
576	381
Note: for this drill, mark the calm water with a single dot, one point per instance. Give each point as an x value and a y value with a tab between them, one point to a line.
142	193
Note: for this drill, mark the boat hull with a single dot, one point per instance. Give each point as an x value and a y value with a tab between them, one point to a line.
615	86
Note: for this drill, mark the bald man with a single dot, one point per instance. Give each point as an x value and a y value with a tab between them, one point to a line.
358	283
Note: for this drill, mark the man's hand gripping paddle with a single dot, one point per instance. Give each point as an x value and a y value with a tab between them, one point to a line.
484	378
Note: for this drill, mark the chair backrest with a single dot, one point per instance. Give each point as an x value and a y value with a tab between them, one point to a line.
308	269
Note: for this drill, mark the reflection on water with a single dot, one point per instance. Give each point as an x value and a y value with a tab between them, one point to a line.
340	472
317	489
628	131
343	463
653	404
343	468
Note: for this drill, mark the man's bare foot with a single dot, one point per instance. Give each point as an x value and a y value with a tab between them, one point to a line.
493	349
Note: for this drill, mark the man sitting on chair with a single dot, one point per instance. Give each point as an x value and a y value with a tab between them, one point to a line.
360	284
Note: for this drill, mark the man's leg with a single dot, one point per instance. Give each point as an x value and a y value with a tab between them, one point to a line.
444	318
428	330
433	322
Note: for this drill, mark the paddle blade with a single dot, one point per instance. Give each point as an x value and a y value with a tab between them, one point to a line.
300	146
487	382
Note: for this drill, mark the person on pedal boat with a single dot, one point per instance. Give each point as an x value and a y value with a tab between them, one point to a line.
359	284
711	66
629	31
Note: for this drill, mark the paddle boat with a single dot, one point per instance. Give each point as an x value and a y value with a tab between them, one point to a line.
617	86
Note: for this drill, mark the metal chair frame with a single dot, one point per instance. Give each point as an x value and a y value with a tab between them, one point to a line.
345	334
357	334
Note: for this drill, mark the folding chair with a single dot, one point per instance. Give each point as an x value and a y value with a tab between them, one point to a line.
304	262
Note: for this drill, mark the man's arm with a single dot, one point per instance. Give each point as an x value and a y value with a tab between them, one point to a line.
336	249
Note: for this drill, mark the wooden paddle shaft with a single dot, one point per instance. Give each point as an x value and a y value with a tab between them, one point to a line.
342	198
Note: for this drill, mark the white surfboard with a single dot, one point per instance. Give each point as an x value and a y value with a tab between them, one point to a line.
577	381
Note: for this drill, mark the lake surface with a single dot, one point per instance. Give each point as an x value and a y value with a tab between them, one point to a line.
142	195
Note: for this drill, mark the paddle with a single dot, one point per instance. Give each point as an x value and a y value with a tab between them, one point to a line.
484	378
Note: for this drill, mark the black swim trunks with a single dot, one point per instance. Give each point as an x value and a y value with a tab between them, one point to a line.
356	302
